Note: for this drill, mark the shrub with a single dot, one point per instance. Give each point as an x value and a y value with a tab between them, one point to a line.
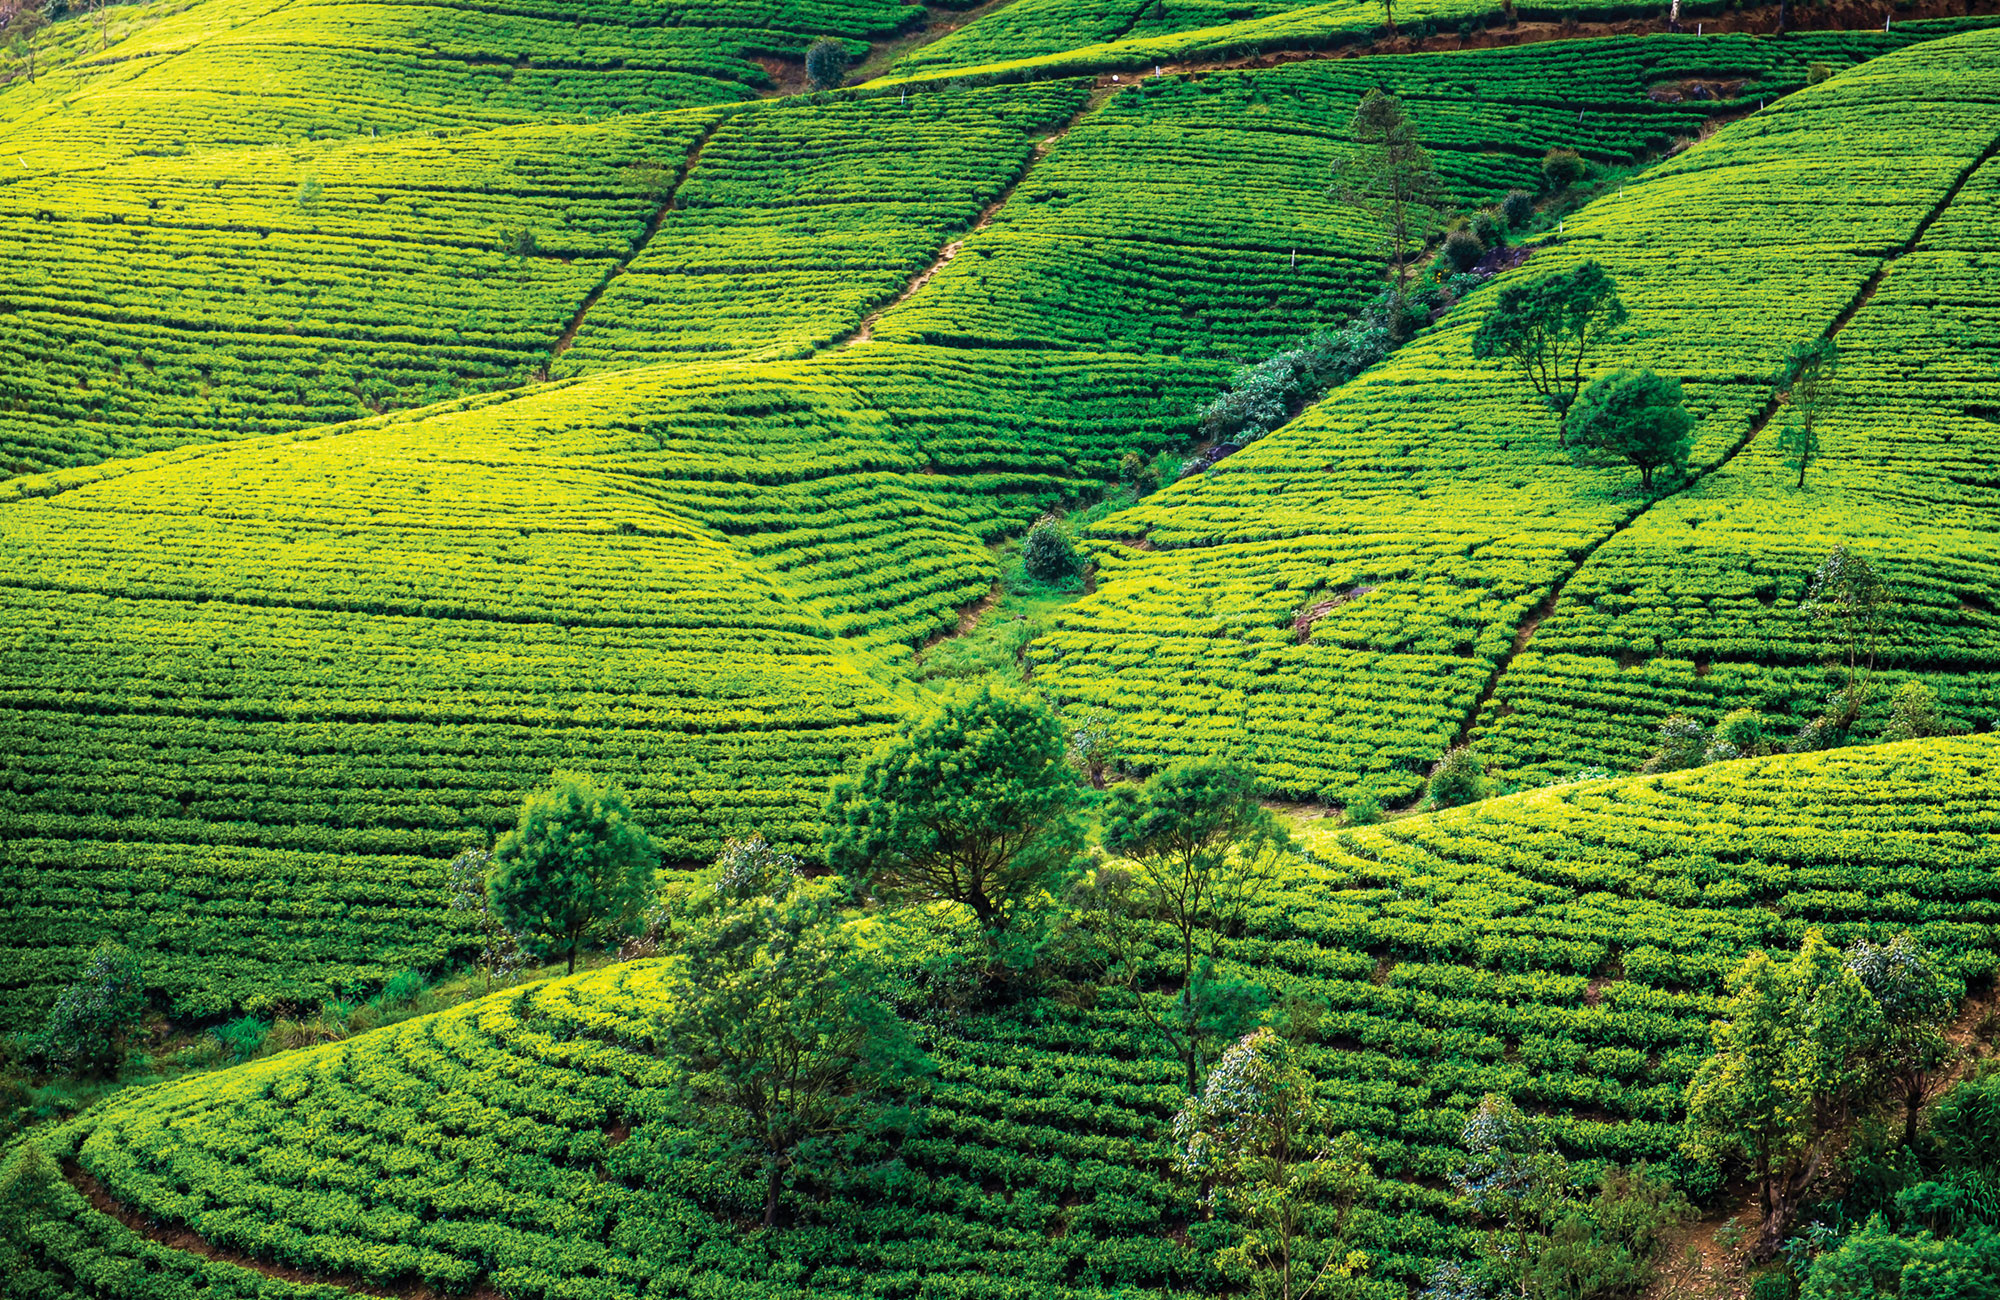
1363	809
1047	555
1518	208
92	1018
1817	72
1739	735
1562	168
826	63
243	1038
404	988
1459	778
1463	249
1678	744
1913	713
1489	226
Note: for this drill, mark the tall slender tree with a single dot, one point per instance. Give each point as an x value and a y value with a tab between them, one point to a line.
1812	367
1389	176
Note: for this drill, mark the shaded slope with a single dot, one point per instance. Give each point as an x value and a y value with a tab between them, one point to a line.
1565	948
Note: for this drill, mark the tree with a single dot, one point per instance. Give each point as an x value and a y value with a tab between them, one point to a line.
976	805
577	866
1459	778
1390	177
826	63
1636	416
1095	743
1812	367
1847	601
93	1017
1740	734
1047	554
1256	1138
1547	328
1547	1236
1917	1000
1790	1062
465	892
1677	745
1562	168
775	1025
1205	850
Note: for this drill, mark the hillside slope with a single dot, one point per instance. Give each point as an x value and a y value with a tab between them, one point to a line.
1565	948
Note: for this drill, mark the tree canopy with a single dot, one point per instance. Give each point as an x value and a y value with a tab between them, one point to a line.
1547	328
976	805
577	867
1637	416
1389	176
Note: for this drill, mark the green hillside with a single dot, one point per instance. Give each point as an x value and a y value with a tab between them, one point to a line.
1564	947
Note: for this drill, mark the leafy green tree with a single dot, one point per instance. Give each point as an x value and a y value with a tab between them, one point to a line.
499	951
1258	1140
976	805
1096	744
1637	416
1547	1235
1740	734
774	1020
1547	328
576	868
93	1018
1917	998
27	1197
1678	744
826	63
1205	850
1848	603
1812	366
1389	176
1562	168
1048	555
1459	778
1790	1063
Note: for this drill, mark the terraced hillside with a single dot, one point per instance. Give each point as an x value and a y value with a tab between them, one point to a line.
1425	511
313	664
1565	948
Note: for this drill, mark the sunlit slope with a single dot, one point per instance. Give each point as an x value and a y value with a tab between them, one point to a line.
1693	608
1566	948
1421	513
157	301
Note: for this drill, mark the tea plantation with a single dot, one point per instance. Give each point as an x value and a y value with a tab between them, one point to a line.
401	403
1565	947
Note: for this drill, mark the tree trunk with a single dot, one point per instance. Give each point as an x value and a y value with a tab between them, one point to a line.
1802	471
1645	478
1784	12
773	1173
572	954
1097	776
1913	1105
1674	17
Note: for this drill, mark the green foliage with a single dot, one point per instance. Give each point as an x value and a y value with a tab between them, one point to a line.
1363	809
1518	207
500	952
1546	328
1206	850
1679	744
826	63
773	1013
576	868
1812	367
92	1019
242	1038
1913	713
1261	1145
976	805
1792	1061
1740	734
1262	397
1459	778
1635	415
1848	603
1917	999
1094	744
1562	168
1463	249
1048	555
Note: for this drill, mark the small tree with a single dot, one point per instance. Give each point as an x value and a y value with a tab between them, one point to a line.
826	63
1848	602
500	951
1519	210
1257	1139
577	867
976	805
1812	366
1791	1060
1459	778
1205	850
1389	176
1917	1000
93	1018
1547	328
1095	743
1562	168
750	868
1636	416
21	21
1740	734
1677	744
1047	554
774	1021
1913	713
